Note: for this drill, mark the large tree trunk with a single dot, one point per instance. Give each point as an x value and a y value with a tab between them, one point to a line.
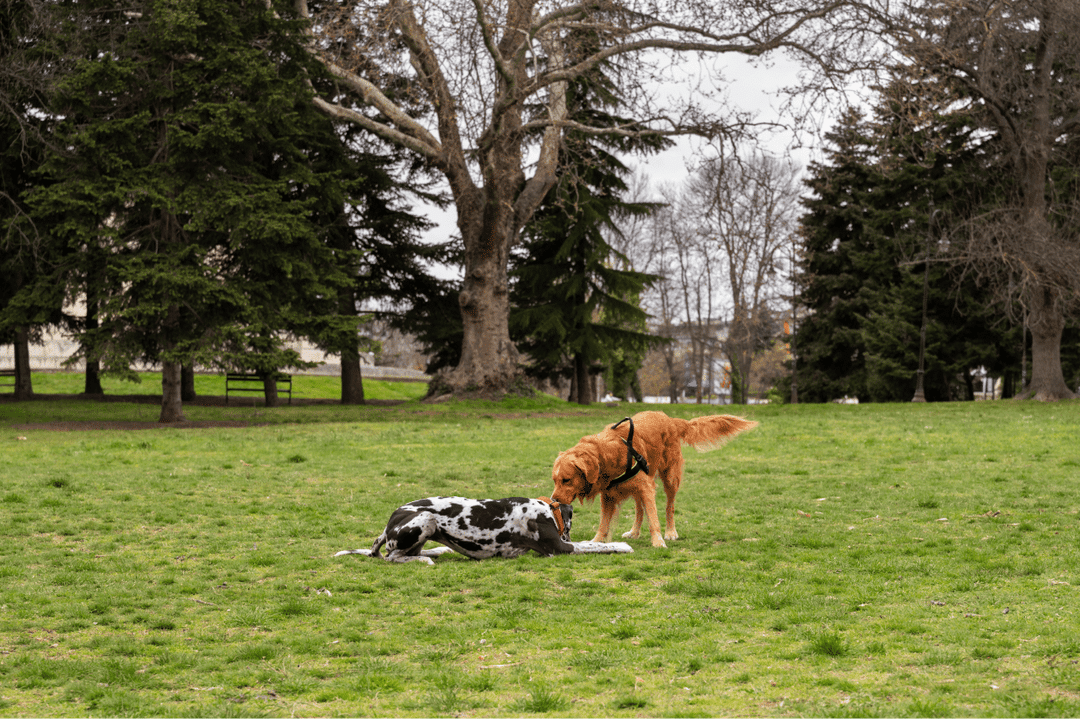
489	360
24	387
352	379
172	407
1047	322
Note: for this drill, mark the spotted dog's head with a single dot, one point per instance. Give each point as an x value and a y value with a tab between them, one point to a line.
566	511
563	515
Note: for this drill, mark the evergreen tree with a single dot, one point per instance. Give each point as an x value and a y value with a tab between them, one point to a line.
935	174
840	268
574	311
188	180
197	208
872	231
23	128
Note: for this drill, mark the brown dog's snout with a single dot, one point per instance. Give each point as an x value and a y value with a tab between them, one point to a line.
565	493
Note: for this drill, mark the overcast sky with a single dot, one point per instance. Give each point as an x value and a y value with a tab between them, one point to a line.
749	87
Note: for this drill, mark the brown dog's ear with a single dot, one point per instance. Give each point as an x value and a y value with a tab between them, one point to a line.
589	466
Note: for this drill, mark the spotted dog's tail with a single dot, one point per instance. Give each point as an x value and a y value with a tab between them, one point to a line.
377	545
373	552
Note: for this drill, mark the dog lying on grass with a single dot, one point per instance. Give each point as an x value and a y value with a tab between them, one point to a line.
620	463
480	529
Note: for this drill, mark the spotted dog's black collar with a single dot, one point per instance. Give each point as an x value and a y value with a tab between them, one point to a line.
634	461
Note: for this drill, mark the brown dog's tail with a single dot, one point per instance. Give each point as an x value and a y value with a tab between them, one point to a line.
708	433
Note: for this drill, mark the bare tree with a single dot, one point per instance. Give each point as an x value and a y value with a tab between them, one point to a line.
685	304
1014	68
476	88
748	208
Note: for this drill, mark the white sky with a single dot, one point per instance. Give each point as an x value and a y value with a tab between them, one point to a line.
750	87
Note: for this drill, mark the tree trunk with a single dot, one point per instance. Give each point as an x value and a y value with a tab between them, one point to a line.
172	406
1046	324
24	387
489	360
1008	385
92	384
92	379
187	383
580	389
270	394
699	368
673	380
352	379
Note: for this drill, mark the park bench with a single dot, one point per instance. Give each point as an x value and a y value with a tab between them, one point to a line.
5	375
242	381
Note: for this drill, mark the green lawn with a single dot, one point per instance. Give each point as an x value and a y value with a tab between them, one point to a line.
303	386
890	560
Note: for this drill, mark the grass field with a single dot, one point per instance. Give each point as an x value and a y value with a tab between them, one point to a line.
303	386
874	560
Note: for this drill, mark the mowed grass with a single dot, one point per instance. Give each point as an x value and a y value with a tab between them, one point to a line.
149	383
875	560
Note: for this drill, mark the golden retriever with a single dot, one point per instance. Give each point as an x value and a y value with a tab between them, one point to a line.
608	465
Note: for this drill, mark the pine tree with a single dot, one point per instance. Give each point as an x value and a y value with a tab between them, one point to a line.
837	276
189	178
23	128
191	210
872	231
575	310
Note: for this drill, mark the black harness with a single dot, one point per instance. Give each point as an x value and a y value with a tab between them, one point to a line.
634	461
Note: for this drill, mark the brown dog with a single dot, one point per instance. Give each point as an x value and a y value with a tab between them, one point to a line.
623	461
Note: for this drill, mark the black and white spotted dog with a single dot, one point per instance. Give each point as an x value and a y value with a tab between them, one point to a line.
477	528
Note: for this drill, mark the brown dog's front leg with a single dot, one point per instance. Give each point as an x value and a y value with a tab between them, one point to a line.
609	510
639	515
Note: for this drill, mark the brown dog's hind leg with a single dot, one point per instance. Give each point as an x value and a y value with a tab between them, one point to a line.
654	520
671	532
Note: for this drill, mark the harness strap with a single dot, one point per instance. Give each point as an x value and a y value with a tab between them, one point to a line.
632	456
556	511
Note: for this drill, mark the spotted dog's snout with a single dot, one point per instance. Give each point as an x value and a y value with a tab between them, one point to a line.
567	511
